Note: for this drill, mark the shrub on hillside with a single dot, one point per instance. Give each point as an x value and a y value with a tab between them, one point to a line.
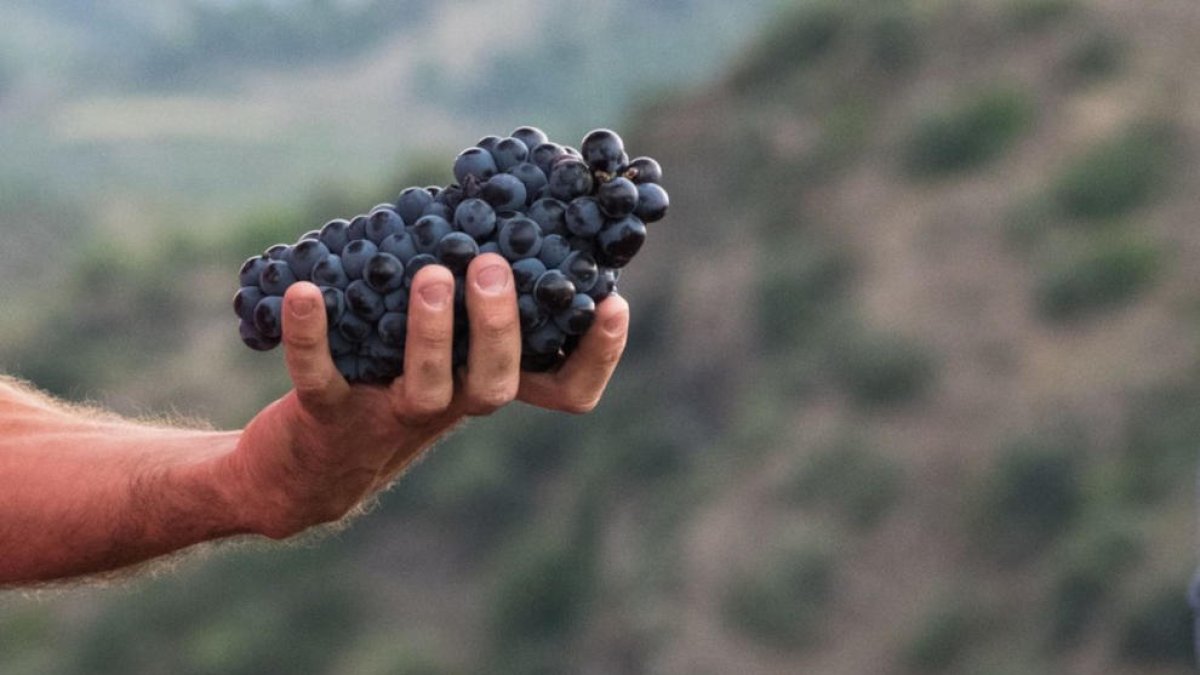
798	37
941	640
860	483
1158	629
1088	575
971	132
1107	271
1037	14
781	601
1097	57
882	369
1117	175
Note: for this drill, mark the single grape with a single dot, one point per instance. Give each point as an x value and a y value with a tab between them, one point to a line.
254	339
245	300
545	339
489	247
475	217
329	272
451	195
353	327
456	251
488	142
644	170
504	192
569	179
618	197
578	318
580	267
620	241
415	265
553	291
508	153
364	301
475	162
543	156
572	152
603	150
393	329
357	229
355	257
585	244
383	273
530	136
550	214
338	344
531	177
584	217
519	238
389	357
653	203
335	304
252	270
305	255
412	202
530	312
383	223
278	252
347	365
433	190
396	301
526	272
428	231
268	317
606	284
440	210
400	245
276	277
335	235
555	249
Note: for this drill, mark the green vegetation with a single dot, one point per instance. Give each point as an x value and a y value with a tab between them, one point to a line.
1032	15
1097	57
894	39
1158	628
973	131
1107	271
942	638
850	476
794	41
799	295
1092	565
781	601
1117	175
878	369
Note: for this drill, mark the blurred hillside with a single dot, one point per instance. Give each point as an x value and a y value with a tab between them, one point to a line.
913	381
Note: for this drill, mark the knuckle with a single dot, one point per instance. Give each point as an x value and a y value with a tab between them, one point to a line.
427	403
496	326
580	405
609	358
491	398
302	339
431	334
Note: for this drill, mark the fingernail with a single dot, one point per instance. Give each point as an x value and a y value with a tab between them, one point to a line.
492	279
615	325
303	307
436	295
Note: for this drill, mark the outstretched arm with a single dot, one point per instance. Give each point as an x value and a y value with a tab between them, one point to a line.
83	493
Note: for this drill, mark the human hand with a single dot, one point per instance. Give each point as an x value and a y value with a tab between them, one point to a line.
316	453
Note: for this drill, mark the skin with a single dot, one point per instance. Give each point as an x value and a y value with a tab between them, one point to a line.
86	493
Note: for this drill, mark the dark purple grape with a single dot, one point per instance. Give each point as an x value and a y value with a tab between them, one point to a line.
460	350
389	358
364	301
542	363
620	241
508	153
603	150
475	217
393	328
545	339
555	249
526	272
433	190
396	301
412	202
329	272
580	267
578	318
357	229
347	365
252	270
531	177
353	327
440	210
383	273
550	214
415	265
335	304
569	179
489	247
572	152
400	245
278	252
519	238
544	155
553	291
335	235
451	195
338	344
355	257
618	197
245	300
255	340
606	284
504	192
585	244
488	142
530	136
584	217
456	251
653	202
383	223
531	314
311	234
644	170
305	255
268	317
275	278
428	231
474	162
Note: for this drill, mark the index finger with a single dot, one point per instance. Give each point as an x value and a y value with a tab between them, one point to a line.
306	349
579	384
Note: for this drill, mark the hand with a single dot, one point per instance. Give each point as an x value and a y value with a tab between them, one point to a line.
316	453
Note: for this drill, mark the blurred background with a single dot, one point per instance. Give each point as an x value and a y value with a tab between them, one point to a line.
913	385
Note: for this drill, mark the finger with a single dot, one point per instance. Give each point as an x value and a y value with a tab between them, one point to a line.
578	385
428	383
318	384
494	359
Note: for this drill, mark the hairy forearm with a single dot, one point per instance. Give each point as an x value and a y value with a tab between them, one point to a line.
81	494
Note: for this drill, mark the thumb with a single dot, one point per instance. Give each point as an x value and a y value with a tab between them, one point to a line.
306	349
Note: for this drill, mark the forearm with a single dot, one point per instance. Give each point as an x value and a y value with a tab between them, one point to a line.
82	496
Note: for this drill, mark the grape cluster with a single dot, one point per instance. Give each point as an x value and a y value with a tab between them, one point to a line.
567	221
